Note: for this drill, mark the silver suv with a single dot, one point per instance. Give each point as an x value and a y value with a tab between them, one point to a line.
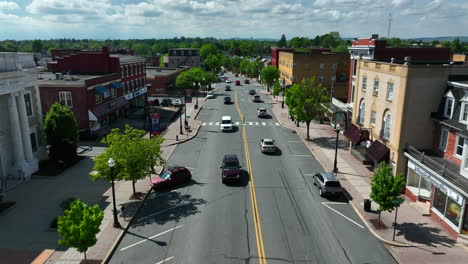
327	183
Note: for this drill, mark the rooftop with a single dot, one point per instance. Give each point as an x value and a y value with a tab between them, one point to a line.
49	78
128	58
152	72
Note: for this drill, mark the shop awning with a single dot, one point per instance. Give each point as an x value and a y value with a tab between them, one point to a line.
100	89
352	132
378	152
116	85
109	107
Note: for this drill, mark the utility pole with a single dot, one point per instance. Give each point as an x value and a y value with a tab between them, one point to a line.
389	25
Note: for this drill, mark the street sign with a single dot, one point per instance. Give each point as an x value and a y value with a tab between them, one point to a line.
340	116
187	116
398	201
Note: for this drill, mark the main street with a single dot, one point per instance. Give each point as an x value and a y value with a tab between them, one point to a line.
281	219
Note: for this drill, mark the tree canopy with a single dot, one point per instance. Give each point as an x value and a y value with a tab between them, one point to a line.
59	125
270	75
282	42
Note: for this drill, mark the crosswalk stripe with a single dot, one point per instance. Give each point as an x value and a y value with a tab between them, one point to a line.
237	123
263	123
210	123
217	124
277	124
250	123
204	124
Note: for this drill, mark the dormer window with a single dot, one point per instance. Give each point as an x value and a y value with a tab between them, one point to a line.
448	107
464	112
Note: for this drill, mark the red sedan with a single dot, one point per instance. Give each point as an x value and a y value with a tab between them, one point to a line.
171	177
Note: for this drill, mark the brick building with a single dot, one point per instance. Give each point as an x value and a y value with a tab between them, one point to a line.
184	57
162	80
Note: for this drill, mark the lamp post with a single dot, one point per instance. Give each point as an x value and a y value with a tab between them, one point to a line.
111	164
206	87
180	119
337	129
185	109
196	104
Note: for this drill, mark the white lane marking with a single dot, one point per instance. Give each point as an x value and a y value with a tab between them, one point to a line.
308	174
263	124
333	203
190	168
146	239
242	100
217	123
342	215
250	123
164	261
277	124
204	124
256	123
237	123
159	212
294	141
210	123
300	155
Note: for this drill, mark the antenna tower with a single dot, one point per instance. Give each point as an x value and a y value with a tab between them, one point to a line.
389	25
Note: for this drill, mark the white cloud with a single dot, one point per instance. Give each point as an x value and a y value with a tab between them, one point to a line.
4	5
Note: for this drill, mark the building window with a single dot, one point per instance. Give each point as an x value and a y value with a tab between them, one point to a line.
27	101
376	87
33	142
321	79
443	139
364	83
294	66
464	113
389	91
65	98
372	117
334	66
333	79
448	107
123	72
98	98
128	87
447	207
386	126
322	66
459	147
113	92
362	111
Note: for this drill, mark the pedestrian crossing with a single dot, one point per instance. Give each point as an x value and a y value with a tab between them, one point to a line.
247	123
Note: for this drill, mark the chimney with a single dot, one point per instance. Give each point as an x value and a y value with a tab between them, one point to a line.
105	50
375	36
408	60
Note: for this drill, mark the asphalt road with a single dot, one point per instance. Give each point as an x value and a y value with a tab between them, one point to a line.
208	222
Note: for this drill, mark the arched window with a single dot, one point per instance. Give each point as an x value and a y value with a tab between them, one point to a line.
362	112
386	125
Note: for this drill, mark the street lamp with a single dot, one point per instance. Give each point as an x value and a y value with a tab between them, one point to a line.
111	164
337	129
196	104
185	106
180	119
206	87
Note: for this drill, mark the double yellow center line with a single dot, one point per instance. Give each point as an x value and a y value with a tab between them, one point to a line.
256	215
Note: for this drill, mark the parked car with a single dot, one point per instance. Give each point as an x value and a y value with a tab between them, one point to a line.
228	88
252	92
327	183
156	102
238	83
172	176
210	95
228	81
166	102
262	112
227	100
230	169
237	75
226	123
256	98
177	102
246	81
267	145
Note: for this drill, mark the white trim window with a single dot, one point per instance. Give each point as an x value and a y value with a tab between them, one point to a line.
458	151
376	87
387	126
389	90
65	98
464	112
27	101
448	108
334	66
443	139
362	112
373	115
322	66
321	78
364	83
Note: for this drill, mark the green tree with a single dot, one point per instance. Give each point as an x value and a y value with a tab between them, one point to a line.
341	48
270	75
256	68
135	156
142	49
37	46
385	187
244	67
79	226
235	63
305	101
282	42
246	48
457	46
208	49
60	124
212	63
161	59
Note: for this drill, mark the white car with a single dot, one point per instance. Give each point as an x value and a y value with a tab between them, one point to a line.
267	145
226	123
210	96
256	98
228	81
177	102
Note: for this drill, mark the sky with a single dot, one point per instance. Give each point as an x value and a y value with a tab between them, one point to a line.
137	19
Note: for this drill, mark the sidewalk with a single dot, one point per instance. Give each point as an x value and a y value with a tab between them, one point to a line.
38	199
418	238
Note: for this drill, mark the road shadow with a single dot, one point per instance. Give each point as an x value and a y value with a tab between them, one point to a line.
330	142
233	130
422	234
278	152
244	180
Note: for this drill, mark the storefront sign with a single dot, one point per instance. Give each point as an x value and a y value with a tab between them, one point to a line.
140	92
129	96
8	83
188	95
431	178
155	123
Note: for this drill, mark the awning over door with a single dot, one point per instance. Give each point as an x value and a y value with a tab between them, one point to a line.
378	152
116	85
352	132
109	107
100	89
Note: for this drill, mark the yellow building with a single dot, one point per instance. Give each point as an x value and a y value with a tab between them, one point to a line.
393	105
329	68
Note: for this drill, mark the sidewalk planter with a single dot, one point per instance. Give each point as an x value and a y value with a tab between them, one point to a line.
446	191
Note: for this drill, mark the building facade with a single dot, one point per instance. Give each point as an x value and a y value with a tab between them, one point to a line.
391	102
21	138
275	55
184	57
162	80
439	175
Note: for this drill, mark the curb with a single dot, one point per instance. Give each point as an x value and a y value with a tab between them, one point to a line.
190	138
397	244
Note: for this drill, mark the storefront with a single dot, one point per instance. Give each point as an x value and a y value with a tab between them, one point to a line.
448	196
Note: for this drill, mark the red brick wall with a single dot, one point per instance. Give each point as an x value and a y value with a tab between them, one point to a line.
451	142
424	54
410	195
446	226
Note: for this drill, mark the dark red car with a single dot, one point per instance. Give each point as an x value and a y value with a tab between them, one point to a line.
171	177
237	82
230	169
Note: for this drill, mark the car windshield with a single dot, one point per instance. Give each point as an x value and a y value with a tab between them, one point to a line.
262	110
333	184
225	122
268	143
165	175
230	165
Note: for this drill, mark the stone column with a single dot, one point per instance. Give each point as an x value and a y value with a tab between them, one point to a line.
24	123
18	151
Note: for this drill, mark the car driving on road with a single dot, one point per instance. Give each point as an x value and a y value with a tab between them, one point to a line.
177	102
252	92
226	123
262	112
228	88
210	96
230	169
172	176
256	98
227	100
267	145
327	183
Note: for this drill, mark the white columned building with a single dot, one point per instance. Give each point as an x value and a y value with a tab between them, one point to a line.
21	138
